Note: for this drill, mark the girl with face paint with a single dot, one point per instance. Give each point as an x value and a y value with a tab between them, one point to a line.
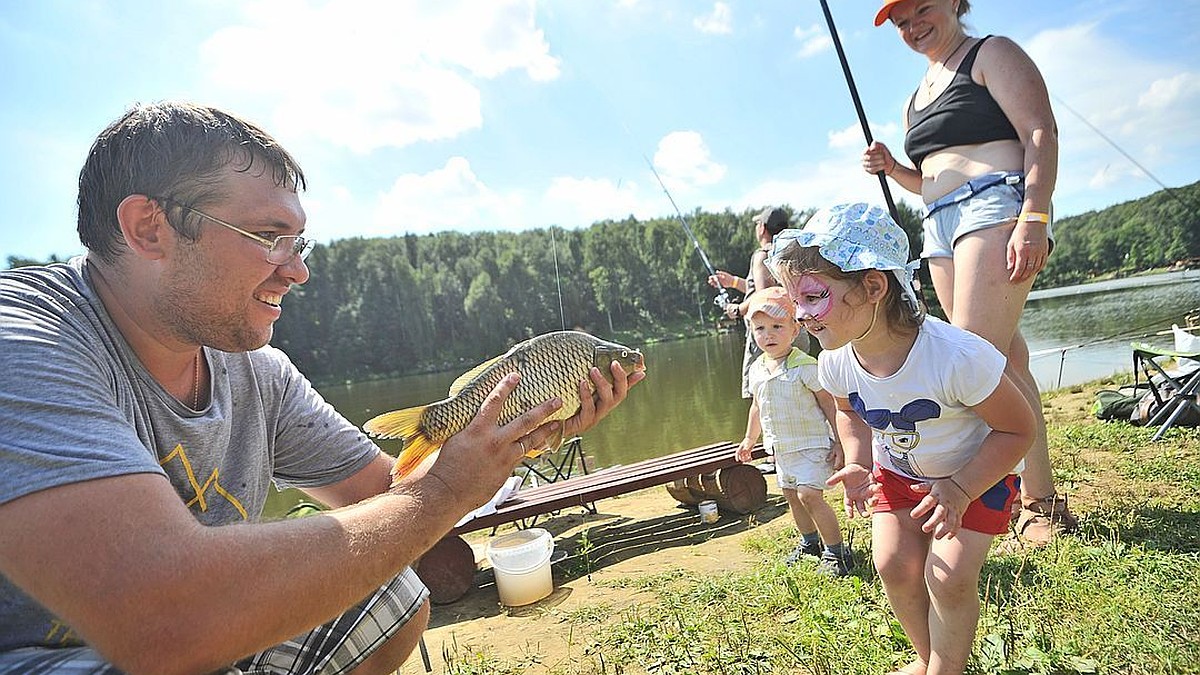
932	429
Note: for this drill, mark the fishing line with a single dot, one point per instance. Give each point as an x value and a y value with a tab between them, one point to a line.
858	107
1169	191
722	298
557	281
1136	332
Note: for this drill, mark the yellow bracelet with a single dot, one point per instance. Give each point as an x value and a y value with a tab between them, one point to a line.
1035	217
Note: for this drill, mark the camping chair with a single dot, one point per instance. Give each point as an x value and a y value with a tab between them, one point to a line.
1175	394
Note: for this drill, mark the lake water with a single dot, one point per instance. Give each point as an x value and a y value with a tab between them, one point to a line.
691	396
1083	333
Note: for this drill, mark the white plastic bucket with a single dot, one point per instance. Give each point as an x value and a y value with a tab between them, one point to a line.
521	562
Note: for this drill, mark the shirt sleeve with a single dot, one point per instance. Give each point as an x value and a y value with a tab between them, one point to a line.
977	372
62	417
315	445
829	375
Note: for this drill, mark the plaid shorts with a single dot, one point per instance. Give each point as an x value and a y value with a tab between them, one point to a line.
335	647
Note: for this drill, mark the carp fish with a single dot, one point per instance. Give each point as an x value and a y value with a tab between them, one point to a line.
550	365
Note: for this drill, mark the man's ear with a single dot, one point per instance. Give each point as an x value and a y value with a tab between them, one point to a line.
143	224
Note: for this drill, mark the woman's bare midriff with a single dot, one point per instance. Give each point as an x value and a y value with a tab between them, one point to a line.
945	170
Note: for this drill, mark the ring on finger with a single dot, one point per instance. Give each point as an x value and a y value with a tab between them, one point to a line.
524	450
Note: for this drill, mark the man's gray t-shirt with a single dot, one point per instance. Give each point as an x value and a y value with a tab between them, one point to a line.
76	404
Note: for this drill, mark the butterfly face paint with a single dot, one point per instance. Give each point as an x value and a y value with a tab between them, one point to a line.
812	296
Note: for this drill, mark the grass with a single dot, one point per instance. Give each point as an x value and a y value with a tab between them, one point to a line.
1119	597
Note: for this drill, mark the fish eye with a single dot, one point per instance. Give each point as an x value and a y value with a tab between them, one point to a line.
624	353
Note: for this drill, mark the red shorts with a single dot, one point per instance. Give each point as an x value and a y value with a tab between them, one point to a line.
989	514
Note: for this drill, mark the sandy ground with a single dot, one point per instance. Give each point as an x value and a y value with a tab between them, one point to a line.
635	535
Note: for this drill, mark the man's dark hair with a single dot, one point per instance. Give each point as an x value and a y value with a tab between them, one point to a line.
170	150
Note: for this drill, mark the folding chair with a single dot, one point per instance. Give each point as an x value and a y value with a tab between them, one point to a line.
553	467
557	466
1175	394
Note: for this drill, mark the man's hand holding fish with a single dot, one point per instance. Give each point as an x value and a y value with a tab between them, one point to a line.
563	365
473	463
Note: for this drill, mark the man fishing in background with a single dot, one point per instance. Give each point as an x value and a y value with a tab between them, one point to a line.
768	223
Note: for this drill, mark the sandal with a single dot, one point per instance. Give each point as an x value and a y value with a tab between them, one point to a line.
1042	519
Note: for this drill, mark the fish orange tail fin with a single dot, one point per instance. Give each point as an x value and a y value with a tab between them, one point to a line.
395	424
415	451
404	424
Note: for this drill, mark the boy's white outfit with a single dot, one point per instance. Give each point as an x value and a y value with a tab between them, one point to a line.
793	426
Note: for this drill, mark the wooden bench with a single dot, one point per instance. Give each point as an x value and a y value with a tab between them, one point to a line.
708	472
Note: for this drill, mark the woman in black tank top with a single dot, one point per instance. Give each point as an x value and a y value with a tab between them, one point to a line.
981	138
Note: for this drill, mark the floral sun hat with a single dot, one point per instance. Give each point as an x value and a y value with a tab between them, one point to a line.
854	237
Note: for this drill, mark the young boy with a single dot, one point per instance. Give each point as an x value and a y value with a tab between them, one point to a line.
795	416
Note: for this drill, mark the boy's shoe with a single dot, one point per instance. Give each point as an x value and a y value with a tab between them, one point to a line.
801	550
836	565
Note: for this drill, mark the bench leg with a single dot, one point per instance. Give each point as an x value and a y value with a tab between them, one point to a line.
448	569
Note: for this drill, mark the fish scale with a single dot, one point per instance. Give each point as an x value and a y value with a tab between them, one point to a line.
551	365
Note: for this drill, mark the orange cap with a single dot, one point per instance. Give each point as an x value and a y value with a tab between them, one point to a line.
885	11
773	302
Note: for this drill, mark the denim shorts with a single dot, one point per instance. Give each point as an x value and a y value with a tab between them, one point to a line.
988	201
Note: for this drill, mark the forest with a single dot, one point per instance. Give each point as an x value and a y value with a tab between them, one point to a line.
382	307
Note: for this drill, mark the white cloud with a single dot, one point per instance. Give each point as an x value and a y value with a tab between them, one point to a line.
813	41
833	177
455	198
451	197
718	21
850	137
683	160
574	202
1170	91
1143	106
367	75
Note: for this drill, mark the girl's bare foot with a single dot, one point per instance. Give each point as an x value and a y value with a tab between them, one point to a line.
915	668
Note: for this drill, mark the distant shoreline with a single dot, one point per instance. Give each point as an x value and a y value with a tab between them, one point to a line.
1116	284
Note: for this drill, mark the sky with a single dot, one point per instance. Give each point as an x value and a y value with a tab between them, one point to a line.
413	116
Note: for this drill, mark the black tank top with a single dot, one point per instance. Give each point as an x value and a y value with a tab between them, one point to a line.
964	114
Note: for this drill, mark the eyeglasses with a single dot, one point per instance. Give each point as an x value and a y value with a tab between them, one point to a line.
280	251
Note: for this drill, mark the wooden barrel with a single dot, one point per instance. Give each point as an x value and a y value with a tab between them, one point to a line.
738	489
687	491
448	569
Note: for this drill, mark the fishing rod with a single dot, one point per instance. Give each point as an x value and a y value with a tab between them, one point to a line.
722	298
858	107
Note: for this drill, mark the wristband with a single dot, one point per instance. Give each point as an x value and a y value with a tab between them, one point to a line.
1035	217
960	488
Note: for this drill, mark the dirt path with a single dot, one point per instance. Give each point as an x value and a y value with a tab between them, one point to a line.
640	534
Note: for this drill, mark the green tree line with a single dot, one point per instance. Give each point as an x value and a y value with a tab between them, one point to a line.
387	306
